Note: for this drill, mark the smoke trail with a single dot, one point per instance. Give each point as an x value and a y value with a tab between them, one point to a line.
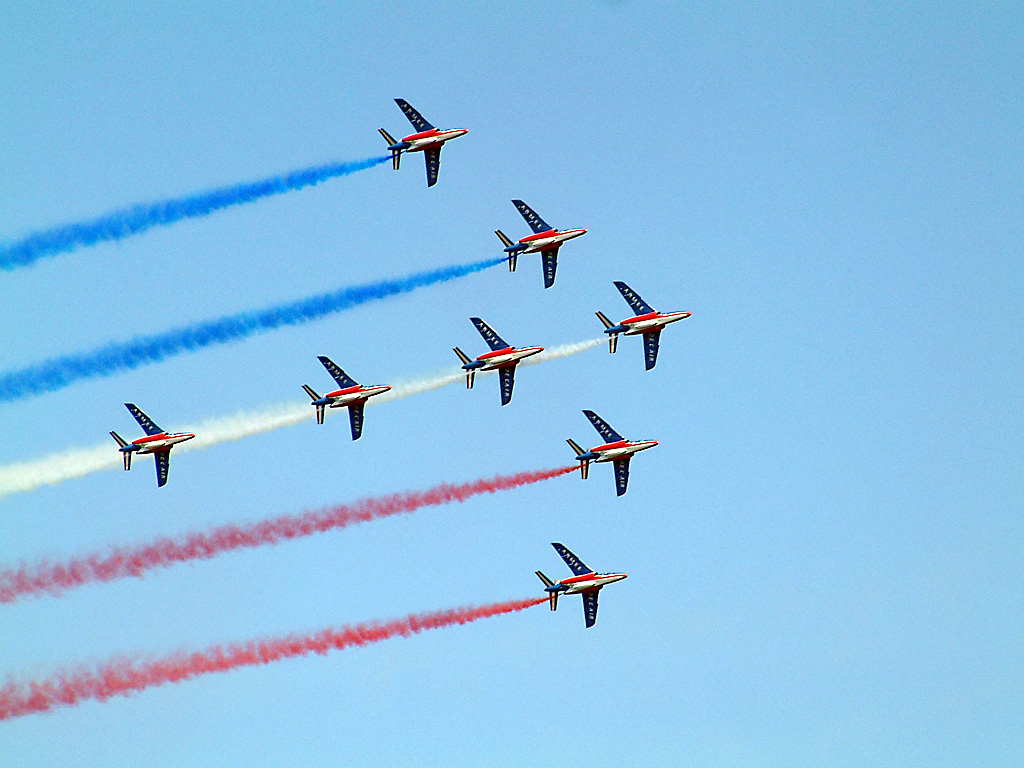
61	372
132	221
122	562
70	464
123	677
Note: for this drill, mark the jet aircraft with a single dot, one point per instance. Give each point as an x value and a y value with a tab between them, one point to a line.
351	396
502	357
545	240
617	450
157	442
427	140
647	321
584	581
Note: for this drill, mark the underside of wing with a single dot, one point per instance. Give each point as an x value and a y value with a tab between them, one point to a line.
494	341
147	424
163	464
414	117
621	476
602	427
343	379
433	158
639	306
577	566
590	608
537	224
355	417
549	259
651	341
507	382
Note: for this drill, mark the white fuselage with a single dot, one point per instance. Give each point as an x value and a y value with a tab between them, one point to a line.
636	325
427	142
342	399
591	581
161	442
507	357
614	451
543	243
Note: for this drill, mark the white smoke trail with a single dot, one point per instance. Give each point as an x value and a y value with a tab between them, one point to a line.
72	463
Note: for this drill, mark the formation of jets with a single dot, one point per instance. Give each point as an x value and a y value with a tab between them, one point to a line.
502	357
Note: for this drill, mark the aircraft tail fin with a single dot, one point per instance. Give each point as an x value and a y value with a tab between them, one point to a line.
462	356
314	397
613	338
513	256
396	154
547	582
552	596
584	465
121	444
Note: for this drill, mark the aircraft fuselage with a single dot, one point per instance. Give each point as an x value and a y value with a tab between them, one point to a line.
650	322
343	397
543	241
501	358
161	442
589	582
433	138
620	449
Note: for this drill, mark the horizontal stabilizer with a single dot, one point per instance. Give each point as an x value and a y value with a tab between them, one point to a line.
311	392
504	238
120	440
547	582
604	320
462	356
575	446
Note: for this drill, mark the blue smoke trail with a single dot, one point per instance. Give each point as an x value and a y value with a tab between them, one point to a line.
132	221
60	372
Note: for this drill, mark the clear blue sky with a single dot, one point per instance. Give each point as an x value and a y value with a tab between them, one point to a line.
825	552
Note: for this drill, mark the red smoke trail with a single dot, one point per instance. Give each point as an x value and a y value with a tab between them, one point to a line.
123	677
127	561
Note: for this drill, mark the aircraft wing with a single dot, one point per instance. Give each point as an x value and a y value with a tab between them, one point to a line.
549	259
602	427
651	339
621	475
355	417
147	424
414	117
537	224
507	382
639	306
494	341
343	379
433	158
163	464
577	566
590	608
